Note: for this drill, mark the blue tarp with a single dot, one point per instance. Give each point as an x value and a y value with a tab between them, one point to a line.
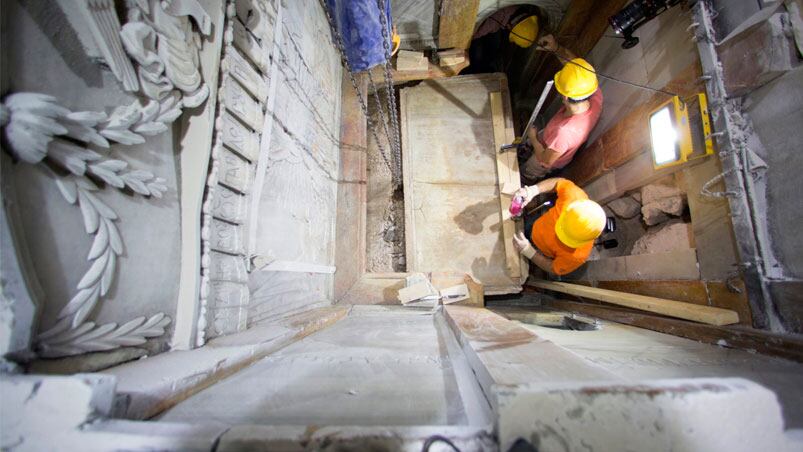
360	26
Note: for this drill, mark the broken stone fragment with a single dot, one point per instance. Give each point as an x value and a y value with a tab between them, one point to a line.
659	201
655	192
671	236
625	207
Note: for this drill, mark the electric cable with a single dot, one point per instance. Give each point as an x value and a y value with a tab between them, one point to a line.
595	72
435	439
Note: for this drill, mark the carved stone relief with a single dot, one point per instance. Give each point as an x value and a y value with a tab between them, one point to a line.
242	99
161	48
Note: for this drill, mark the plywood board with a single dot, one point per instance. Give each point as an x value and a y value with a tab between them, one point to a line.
452	210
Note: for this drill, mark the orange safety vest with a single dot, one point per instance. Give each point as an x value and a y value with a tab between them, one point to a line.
565	259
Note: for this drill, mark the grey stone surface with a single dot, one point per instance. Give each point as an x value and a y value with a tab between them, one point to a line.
376	367
297	208
625	207
638	354
146	276
776	115
678	415
670	236
39	411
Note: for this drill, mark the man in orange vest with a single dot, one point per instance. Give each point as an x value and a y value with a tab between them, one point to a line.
565	234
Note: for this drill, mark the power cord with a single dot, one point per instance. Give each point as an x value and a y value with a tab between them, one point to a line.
435	439
598	74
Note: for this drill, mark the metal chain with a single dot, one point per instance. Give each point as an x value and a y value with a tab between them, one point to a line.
338	41
384	120
396	146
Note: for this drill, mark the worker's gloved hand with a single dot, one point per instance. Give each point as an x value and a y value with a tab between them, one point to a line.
523	245
548	43
527	193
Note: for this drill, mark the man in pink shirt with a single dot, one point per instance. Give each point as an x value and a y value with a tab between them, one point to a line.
555	146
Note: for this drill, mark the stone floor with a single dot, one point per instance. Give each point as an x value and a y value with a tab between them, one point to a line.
637	354
379	366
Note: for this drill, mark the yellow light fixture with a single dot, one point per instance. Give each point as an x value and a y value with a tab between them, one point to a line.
680	130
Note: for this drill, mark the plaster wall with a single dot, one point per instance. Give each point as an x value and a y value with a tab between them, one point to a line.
42	53
297	207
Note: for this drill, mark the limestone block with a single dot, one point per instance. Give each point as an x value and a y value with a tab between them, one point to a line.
229	205
411	61
653	215
235	171
669	237
625	207
226	267
239	102
246	42
237	137
660	199
40	410
238	68
657	191
660	415
227	237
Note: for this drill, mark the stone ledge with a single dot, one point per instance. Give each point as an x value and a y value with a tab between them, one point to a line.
149	386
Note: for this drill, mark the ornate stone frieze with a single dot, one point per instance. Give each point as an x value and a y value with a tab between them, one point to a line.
156	52
243	97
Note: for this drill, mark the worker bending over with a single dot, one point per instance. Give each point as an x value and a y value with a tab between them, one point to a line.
565	234
555	146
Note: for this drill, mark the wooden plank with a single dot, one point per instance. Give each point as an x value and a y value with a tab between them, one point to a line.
506	179
783	346
456	23
707	293
672	308
433	71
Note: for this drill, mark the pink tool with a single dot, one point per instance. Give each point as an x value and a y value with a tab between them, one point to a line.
517	206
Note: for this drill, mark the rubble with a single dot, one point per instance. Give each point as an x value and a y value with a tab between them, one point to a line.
661	201
625	207
674	235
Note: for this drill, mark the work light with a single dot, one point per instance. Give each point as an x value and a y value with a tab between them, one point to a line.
680	131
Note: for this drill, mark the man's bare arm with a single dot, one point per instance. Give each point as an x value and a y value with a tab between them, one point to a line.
549	43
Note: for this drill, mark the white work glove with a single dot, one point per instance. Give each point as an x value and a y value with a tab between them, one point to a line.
523	245
528	193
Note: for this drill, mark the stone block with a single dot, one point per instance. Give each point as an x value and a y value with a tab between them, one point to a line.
653	215
746	62
38	410
669	237
659	190
625	207
680	415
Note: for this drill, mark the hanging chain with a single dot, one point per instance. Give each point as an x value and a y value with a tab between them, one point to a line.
338	41
382	118
394	117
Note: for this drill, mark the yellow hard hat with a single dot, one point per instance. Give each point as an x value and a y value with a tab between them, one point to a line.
525	32
580	223
576	80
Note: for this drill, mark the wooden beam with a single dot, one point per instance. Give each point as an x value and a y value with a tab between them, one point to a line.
672	308
456	24
507	179
433	71
783	346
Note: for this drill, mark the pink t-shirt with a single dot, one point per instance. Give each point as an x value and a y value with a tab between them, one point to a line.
565	134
